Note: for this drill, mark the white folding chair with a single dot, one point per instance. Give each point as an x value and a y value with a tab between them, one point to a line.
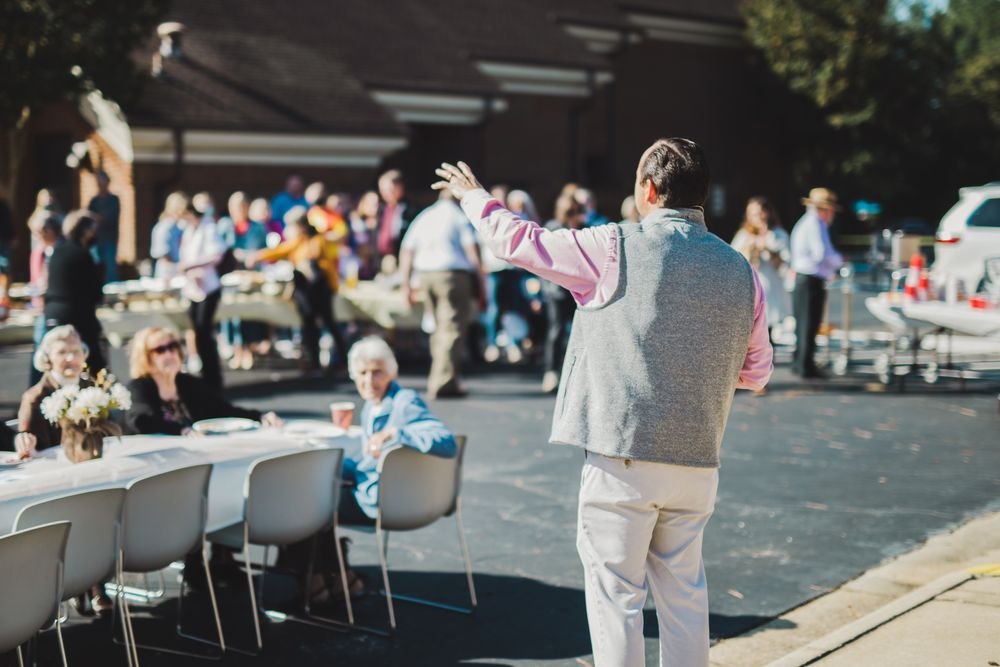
287	498
93	545
163	521
32	591
415	490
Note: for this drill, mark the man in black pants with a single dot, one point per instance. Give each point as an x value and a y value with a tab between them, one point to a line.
559	304
75	286
814	261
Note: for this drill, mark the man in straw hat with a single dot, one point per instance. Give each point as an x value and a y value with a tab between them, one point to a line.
814	261
670	321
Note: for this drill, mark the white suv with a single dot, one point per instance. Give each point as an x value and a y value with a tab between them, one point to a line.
968	235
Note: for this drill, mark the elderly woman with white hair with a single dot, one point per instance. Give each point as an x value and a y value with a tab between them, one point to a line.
61	357
391	417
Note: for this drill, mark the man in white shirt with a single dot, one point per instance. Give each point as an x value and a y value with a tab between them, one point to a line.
440	247
814	261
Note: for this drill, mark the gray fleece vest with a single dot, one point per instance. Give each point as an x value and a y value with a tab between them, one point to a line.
650	375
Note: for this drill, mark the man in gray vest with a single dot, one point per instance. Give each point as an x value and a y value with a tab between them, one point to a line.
670	321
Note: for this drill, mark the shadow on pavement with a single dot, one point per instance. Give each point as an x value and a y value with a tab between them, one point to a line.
518	619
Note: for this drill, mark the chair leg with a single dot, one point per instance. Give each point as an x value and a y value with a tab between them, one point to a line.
119	608
465	552
115	613
62	647
253	596
318	621
221	643
129	632
383	547
343	574
258	608
20	658
163	649
468	574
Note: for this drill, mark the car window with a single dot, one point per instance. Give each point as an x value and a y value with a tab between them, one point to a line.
987	215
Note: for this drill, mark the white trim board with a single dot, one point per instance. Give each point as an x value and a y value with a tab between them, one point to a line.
156	145
688	31
438	108
543	80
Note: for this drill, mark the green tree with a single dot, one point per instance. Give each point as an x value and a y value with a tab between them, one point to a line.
972	27
893	108
55	50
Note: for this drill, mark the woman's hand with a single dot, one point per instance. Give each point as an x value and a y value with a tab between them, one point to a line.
25	444
271	419
459	180
373	447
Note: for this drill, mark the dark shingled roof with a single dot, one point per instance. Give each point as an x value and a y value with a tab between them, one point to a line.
245	68
518	31
595	13
309	65
722	11
391	44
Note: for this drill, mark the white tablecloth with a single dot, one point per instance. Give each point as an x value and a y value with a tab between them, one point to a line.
51	475
958	317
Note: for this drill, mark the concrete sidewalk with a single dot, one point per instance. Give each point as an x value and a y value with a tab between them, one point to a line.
960	626
938	605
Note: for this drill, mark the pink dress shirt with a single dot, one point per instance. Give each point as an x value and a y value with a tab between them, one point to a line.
585	262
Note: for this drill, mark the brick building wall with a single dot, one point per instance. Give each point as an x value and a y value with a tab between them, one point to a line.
102	156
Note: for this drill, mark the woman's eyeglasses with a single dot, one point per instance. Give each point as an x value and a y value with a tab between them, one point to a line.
172	346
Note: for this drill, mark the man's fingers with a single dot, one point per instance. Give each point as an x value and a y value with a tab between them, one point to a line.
449	170
466	171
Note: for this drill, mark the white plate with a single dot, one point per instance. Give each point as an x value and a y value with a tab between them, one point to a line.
311	428
224	425
9	460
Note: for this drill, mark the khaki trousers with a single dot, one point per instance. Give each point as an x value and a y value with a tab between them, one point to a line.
449	298
640	529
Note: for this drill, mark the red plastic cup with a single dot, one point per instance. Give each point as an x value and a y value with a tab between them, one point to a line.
978	302
342	414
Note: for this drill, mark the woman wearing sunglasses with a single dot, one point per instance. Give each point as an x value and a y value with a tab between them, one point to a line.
165	399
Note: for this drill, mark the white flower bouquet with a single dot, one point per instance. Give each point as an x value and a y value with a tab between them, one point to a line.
84	415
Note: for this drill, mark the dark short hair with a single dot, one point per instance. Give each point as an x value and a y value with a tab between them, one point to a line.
393	175
76	223
52	223
679	172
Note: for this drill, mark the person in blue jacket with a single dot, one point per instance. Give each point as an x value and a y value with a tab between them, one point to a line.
391	417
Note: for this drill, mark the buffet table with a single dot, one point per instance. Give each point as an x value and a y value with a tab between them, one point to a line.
266	297
50	474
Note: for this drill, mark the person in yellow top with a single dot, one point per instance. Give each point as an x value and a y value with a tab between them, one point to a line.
316	280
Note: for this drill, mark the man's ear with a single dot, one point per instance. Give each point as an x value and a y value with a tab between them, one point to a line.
652	196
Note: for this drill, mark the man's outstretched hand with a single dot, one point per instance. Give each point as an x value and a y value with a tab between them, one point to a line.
458	180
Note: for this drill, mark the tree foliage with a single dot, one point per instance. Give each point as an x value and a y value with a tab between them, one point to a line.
903	109
54	50
51	49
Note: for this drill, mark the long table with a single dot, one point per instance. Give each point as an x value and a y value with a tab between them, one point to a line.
270	302
50	475
959	317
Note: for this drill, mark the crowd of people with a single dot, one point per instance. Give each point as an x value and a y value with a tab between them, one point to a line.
479	306
332	239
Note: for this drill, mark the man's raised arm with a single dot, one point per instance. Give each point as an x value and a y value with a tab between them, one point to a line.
584	261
